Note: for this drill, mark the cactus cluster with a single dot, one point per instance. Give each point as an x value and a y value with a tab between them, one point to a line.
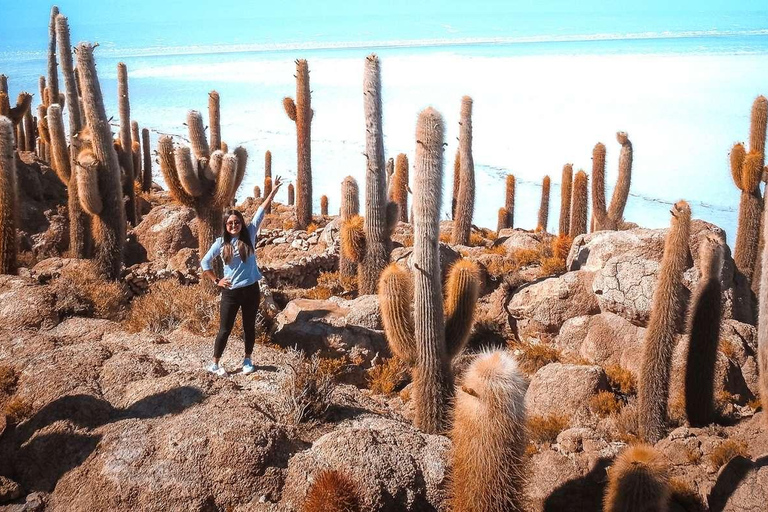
465	200
300	112
610	217
422	328
372	244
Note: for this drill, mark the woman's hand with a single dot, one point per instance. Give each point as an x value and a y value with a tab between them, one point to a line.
277	183
224	283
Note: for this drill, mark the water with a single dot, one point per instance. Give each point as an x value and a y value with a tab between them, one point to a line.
546	88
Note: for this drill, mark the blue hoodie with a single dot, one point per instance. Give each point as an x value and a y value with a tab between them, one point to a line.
240	273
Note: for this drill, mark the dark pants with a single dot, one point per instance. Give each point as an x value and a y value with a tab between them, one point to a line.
231	300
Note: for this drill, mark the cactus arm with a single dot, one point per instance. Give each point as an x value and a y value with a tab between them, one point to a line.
211	171
353	240
396	302
462	291
599	211
170	173
214	119
88	183
187	173
242	160
757	127
23	103
290	108
621	192
59	150
5	105
226	182
197	135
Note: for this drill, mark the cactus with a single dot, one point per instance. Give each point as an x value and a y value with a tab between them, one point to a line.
400	186
380	217
3	84
8	199
98	172
125	154
350	207
291	194
332	492
465	202
324	205
704	335
456	182
53	74
565	200
268	178
136	153
747	170
762	325
208	182
544	206
638	481
579	201
214	119
146	176
489	437
67	71
301	113
5	105
29	131
667	306
502	220
509	201
256	192
611	217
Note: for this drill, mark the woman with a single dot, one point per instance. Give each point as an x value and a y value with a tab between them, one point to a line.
240	284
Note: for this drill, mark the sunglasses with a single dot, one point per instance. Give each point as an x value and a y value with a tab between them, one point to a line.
233	223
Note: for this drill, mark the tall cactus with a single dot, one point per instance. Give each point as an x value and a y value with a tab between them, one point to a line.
489	437
300	112
268	178
53	74
501	223
544	206
509	200
214	119
324	205
291	194
29	131
125	154
400	186
207	183
611	217
350	207
565	200
762	325
704	335
3	84
667	306
373	254
578	224
146	176
67	71
98	171
465	202
456	182
747	170
8	199
420	329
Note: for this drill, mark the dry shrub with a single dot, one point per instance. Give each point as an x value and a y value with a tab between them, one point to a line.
626	422
525	257
755	403
531	449
289	224
729	449
489	234
621	379
693	456
306	389
476	240
551	266
170	305
533	356
723	398
544	429
336	282
561	246
334	367
499	250
486	332
332	491
386	377
318	293
604	404
407	241
726	347
26	259
80	290
312	228
500	267
445	237
683	495
8	380
18	410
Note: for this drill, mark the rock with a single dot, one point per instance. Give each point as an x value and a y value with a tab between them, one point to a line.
166	230
186	262
572	440
572	334
24	304
546	305
51	268
9	490
55	240
611	340
328	327
563	389
742	486
397	467
514	239
448	256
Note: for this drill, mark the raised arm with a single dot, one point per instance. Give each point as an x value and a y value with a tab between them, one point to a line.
268	200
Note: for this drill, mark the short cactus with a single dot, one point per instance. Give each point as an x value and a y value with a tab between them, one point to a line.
146	176
579	201
332	492
509	200
502	219
611	217
350	208
544	206
638	481
8	199
268	178
256	192
300	112
465	202
324	205
566	184
489	437
291	194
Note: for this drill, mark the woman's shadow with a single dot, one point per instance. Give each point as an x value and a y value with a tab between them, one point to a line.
37	462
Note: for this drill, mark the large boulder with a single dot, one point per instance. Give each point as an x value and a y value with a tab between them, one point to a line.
547	304
333	327
25	304
610	340
742	486
167	229
563	389
396	466
519	239
403	256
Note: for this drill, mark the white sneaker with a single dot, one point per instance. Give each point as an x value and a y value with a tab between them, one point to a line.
248	366
216	369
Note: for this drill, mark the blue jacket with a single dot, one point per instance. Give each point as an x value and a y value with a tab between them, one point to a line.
240	273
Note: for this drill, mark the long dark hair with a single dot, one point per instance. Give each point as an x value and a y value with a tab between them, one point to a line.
244	244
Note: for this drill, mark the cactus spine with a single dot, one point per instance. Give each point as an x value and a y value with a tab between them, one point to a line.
465	202
704	335
638	481
8	199
99	164
400	186
324	205
565	200
214	119
578	224
659	338
544	206
146	178
301	113
611	217
350	207
489	439
53	74
268	177
126	154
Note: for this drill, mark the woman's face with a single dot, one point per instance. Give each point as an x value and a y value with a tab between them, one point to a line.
233	225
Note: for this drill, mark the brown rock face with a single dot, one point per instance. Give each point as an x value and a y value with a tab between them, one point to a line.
24	304
563	389
396	467
166	230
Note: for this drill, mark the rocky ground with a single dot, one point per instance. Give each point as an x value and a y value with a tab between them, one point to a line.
104	403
